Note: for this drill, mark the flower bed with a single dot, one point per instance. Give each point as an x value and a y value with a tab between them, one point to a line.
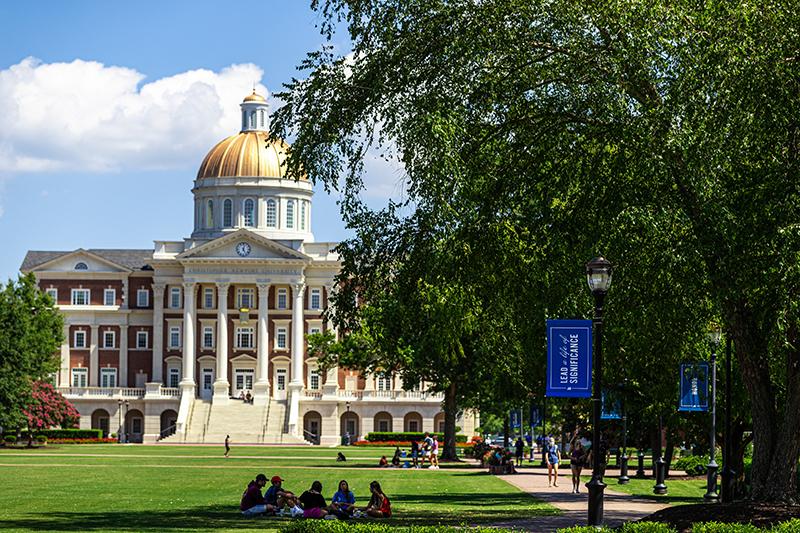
82	441
401	444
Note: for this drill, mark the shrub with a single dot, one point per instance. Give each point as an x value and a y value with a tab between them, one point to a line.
68	433
337	526
41	438
693	465
717	527
10	439
380	436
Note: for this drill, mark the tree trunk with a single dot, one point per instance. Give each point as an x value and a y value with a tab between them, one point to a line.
449	449
669	453
505	431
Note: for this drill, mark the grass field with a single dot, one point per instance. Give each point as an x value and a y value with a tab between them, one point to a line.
193	488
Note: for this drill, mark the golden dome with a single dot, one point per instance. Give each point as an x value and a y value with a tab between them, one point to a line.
254	98
250	153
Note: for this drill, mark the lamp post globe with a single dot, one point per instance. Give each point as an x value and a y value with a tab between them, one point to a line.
598	276
714	336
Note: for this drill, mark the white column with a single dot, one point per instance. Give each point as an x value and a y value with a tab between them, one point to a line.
124	295
261	387
188	381
123	356
158	331
64	379
221	384
331	385
296	383
94	358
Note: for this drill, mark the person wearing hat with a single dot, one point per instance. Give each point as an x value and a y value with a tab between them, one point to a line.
279	497
253	503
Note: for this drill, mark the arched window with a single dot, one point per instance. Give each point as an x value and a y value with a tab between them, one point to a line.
302	215
272	218
249	212
81	266
290	214
262	119
227	213
210	214
252	119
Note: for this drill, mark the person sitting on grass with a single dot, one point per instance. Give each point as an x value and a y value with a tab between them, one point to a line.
313	502
343	503
382	463
253	503
379	506
279	497
340	458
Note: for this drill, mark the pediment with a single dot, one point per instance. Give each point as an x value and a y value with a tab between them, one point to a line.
74	262
243	246
244	358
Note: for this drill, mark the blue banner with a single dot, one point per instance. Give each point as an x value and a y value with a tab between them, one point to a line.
610	408
694	387
535	416
514	418
569	358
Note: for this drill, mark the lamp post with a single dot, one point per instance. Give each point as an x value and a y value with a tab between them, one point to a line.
727	472
714	336
127	405
598	275
119	410
347	427
659	465
623	469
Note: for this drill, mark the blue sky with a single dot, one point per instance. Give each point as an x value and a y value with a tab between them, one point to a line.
107	110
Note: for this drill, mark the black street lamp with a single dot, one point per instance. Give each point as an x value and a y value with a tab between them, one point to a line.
727	472
347	428
660	465
119	410
623	469
598	275
127	405
714	336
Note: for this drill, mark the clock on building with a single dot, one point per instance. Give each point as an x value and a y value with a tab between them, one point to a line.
243	249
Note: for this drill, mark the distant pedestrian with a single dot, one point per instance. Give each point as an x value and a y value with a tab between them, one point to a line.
520	450
552	456
427	446
577	459
228	446
415	452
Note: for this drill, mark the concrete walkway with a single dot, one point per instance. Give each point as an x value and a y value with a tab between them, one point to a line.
617	507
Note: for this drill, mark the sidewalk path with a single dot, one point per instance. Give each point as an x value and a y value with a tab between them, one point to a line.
617	507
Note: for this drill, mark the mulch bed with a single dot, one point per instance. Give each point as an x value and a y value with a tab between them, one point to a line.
681	517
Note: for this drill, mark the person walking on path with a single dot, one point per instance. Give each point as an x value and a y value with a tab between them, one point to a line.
435	454
415	452
228	447
552	456
577	459
520	450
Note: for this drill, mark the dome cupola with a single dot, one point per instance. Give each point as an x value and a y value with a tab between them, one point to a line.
254	113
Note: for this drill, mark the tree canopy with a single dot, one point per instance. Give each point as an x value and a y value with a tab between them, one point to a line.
535	135
31	331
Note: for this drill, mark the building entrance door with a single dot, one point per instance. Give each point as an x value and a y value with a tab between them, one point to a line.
243	381
280	383
208	383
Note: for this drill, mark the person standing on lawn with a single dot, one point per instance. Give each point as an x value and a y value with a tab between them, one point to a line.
435	454
520	450
427	446
552	456
228	447
415	452
253	503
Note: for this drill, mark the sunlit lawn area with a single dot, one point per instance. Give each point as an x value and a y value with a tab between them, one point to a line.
194	488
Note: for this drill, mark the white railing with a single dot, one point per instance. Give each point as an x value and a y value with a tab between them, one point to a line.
313	393
355	394
384	395
114	393
166	391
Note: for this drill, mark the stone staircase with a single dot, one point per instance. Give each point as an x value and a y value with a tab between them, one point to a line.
244	422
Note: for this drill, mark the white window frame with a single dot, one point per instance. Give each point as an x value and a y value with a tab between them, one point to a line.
113	297
281	299
208	298
315	294
109	335
139	336
281	338
280	384
227	213
175	334
289	214
252	222
108	378
209	213
272	214
208	337
80	376
245	294
175	297
382	382
142	298
52	293
173	378
246	334
79	334
86	295
313	379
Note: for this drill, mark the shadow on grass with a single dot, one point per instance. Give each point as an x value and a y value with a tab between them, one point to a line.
407	510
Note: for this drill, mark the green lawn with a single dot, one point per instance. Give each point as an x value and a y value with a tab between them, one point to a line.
192	488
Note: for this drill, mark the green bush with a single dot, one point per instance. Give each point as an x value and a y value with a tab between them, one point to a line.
68	434
792	526
693	465
717	527
628	527
11	439
41	438
388	436
337	526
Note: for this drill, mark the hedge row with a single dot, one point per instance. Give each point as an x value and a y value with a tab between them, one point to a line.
68	434
380	436
402	444
335	526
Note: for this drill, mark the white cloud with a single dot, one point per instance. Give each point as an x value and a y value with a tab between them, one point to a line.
85	116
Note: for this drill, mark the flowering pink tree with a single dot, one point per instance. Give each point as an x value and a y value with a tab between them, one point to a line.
48	408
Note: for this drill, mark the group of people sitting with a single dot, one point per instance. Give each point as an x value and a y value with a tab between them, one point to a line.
247	398
311	504
428	449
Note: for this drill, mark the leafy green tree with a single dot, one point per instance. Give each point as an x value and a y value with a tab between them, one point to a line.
539	133
31	331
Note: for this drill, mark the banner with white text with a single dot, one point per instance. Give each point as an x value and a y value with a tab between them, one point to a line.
569	358
694	387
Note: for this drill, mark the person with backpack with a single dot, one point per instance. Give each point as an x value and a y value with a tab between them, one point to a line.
552	456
